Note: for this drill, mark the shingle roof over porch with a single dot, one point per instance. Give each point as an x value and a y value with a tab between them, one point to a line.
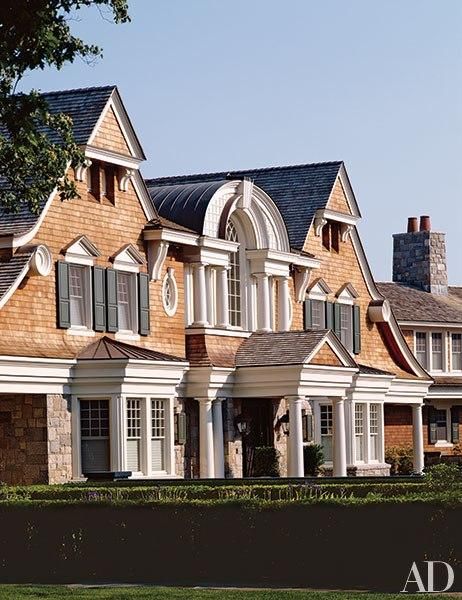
108	349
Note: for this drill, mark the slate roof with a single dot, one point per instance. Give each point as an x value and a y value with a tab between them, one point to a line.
84	106
160	222
410	304
298	191
10	270
280	348
108	349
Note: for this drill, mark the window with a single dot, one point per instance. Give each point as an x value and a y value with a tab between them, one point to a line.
157	435
234	280
170	293
326	426
318	314
133	434
421	347
103	183
359	432
374	430
126	301
79	296
437	351
456	351
94	432
441	421
346	326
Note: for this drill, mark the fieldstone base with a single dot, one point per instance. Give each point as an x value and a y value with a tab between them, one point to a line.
373	470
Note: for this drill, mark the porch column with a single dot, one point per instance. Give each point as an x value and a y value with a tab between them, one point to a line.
283	301
218	448
222	297
340	463
117	433
206	450
200	295
296	466
417	438
263	302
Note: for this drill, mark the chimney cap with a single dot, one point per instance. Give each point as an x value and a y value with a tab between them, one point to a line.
425	224
412	225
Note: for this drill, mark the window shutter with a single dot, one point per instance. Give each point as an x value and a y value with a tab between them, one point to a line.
99	299
432	432
356	329
337	319
143	303
329	315
180	428
307	314
64	301
111	298
455	424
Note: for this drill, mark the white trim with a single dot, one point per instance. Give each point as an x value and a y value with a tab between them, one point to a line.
129	259
4	299
81	252
108	156
432	324
170	277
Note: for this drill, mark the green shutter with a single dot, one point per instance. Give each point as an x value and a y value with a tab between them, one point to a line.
432	433
64	301
337	330
111	298
356	329
180	428
143	303
329	315
307	314
99	299
455	424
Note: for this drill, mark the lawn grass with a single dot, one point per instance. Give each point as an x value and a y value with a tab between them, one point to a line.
17	592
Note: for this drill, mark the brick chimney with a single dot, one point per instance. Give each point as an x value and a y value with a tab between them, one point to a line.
419	257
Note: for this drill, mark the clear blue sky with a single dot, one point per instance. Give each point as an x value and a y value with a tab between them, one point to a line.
215	85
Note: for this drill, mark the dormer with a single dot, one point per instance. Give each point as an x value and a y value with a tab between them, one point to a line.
333	227
81	251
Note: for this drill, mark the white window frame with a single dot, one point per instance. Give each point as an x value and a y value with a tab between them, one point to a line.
447	443
362	409
317	425
451	352
169	278
445	357
348	343
86	327
133	307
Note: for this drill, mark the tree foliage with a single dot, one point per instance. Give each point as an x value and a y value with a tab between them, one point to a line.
35	34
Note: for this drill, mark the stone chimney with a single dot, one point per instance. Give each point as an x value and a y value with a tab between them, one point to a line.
419	257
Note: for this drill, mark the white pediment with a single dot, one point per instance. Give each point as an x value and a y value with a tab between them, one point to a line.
129	258
81	251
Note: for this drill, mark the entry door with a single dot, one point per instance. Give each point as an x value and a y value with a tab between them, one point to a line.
259	414
94	435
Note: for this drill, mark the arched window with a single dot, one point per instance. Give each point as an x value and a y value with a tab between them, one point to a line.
234	279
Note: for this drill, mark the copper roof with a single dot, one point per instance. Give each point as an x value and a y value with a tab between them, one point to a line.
108	349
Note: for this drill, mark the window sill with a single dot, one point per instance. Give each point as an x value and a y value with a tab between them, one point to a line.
127	336
83	332
217	331
443	444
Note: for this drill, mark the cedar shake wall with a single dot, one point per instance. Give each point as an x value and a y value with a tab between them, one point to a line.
35	439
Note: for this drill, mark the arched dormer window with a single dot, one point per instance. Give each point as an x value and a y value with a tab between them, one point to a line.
234	279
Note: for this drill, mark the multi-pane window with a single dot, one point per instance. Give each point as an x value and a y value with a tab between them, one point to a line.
133	434
441	420
421	347
326	426
318	314
234	280
125	300
437	351
374	430
78	296
359	431
157	435
456	351
94	432
346	326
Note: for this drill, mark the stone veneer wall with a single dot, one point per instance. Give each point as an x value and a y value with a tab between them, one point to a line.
35	439
419	260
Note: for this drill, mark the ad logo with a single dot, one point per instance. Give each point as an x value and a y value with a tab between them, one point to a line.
414	578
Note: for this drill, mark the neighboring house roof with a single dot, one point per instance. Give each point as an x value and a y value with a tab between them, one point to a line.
12	269
410	304
108	349
284	348
298	191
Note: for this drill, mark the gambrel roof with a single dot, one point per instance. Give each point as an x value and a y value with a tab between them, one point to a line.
298	191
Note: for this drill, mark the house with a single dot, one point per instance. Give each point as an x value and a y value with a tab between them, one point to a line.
170	326
429	312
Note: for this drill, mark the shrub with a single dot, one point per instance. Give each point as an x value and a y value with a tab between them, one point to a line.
266	462
400	458
444	477
313	457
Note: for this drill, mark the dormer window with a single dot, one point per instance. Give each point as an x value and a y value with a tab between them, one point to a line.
234	279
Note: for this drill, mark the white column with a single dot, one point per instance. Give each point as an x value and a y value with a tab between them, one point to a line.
209	294
117	433
218	444
263	303
283	302
222	297
417	438
206	450
296	466
340	464
200	295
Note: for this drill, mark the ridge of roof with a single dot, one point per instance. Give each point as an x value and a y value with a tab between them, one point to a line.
82	89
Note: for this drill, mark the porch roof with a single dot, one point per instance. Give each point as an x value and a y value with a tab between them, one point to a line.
107	348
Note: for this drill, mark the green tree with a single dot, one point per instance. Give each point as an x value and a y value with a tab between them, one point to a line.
35	34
